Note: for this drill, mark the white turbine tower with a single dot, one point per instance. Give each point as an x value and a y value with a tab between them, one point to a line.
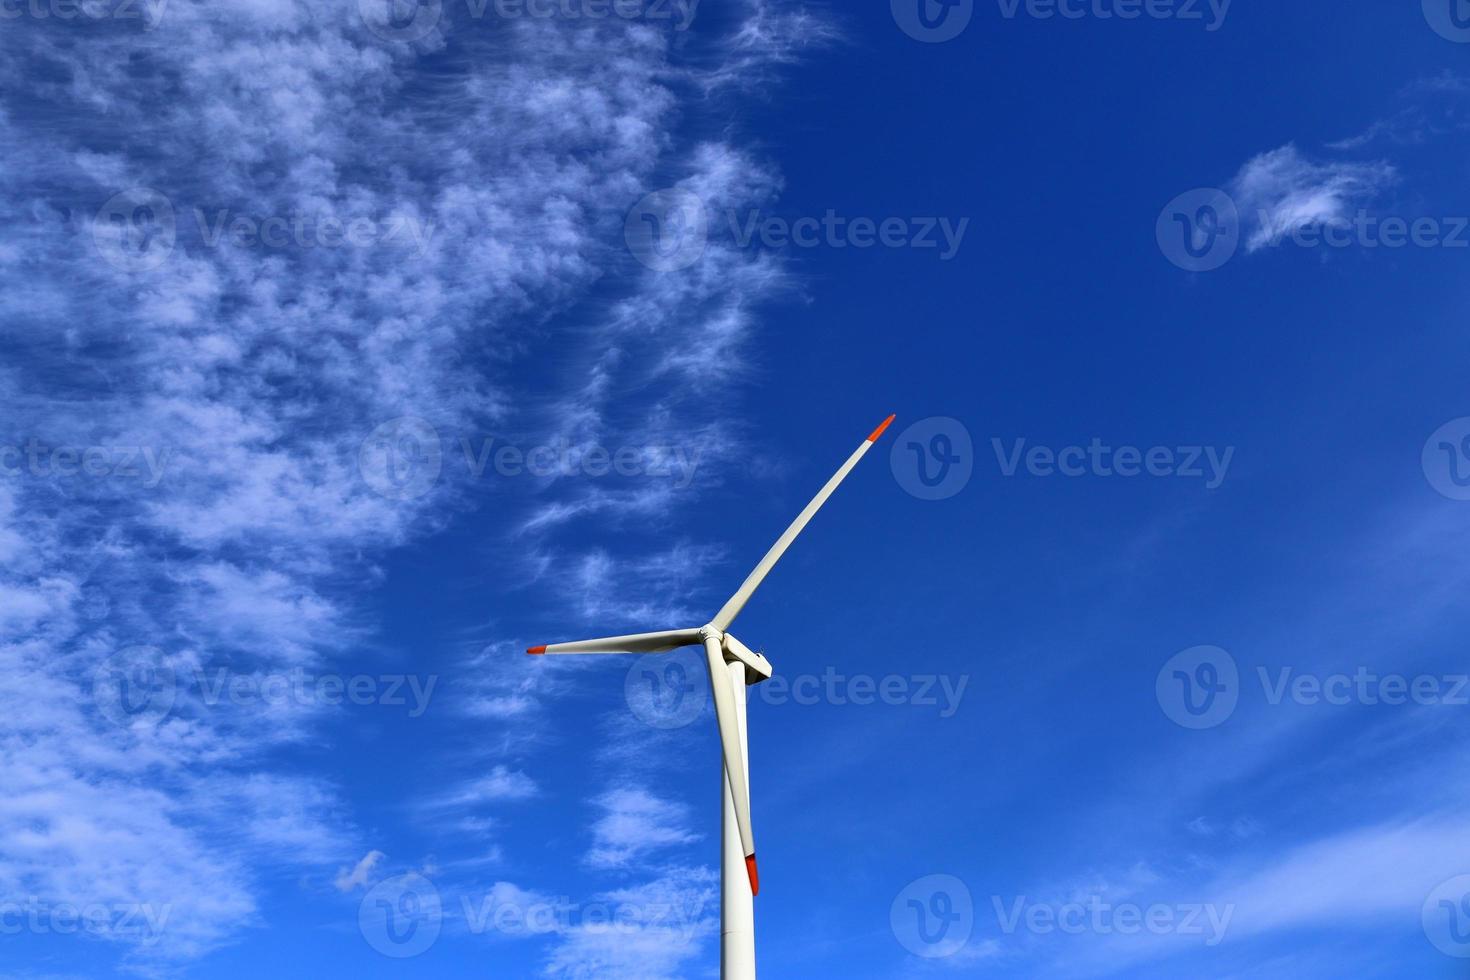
732	666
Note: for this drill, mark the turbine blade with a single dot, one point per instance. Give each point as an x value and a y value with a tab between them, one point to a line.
730	743
635	643
737	602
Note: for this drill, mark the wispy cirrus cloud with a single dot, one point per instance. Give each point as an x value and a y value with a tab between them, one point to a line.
255	372
1285	191
501	785
1374	876
1431	107
358	876
1282	192
678	915
635	823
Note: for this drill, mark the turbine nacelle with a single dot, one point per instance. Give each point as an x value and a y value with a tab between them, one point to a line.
757	667
722	651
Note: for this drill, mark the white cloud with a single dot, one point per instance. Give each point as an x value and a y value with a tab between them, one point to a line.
1375	873
1281	192
633	824
501	785
655	929
667	922
350	879
253	374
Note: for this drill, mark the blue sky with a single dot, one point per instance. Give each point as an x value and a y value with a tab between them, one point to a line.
345	355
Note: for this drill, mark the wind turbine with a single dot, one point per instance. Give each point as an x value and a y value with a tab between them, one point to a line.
732	666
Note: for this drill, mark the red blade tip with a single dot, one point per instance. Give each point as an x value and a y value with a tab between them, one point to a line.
541	649
879	431
755	879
